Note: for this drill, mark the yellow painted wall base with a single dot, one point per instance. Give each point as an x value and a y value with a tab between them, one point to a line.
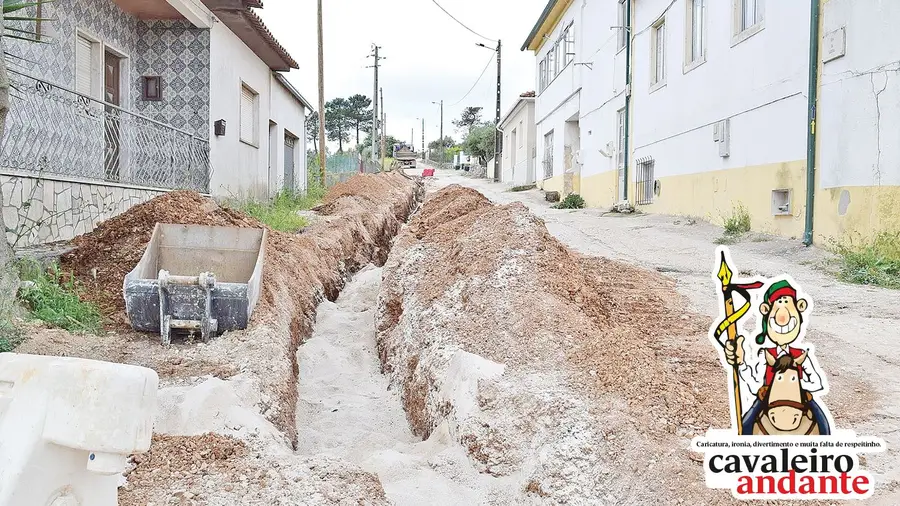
856	212
599	190
717	194
553	184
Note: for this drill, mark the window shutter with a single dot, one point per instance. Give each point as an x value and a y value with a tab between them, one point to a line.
83	65
248	120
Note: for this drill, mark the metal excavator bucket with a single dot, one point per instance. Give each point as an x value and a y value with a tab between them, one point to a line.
196	279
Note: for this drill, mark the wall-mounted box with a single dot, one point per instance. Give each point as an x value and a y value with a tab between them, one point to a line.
781	202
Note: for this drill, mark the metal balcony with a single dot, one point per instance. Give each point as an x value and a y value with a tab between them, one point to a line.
55	131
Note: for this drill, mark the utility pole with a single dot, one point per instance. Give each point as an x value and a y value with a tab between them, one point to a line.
383	126
423	138
375	115
497	138
321	100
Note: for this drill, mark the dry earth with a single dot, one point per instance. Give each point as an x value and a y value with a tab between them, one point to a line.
225	423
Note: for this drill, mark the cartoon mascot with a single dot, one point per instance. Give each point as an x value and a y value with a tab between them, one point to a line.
782	376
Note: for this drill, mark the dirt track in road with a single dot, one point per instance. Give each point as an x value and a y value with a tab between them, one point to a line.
854	328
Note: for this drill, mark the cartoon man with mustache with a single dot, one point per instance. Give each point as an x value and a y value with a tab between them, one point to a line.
782	323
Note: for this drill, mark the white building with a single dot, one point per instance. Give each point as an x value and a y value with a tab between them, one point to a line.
711	108
519	157
125	99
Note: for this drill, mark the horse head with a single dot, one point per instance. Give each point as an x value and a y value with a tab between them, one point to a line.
786	403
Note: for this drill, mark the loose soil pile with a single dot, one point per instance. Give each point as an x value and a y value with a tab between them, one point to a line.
101	258
606	375
360	219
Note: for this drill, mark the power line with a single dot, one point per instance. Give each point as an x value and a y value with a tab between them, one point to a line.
460	22
491	60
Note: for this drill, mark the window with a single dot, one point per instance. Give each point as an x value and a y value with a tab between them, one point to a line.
551	63
85	67
548	155
557	58
749	16
622	31
658	55
620	139
569	39
542	74
695	45
249	116
646	184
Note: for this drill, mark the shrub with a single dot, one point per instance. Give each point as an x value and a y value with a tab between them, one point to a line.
872	262
572	201
738	222
53	298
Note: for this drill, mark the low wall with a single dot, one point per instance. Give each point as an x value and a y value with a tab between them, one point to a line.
40	210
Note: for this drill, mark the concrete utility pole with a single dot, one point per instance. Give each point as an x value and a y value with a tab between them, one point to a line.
383	126
497	139
498	146
321	101
375	115
423	138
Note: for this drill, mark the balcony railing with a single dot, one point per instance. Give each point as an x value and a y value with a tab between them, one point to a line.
52	130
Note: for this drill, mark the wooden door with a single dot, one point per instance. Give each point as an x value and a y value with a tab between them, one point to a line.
112	124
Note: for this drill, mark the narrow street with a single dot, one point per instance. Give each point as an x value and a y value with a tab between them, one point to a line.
853	327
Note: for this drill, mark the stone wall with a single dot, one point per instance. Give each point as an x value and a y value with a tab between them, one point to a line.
37	211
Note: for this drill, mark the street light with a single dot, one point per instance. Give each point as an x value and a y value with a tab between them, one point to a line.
441	139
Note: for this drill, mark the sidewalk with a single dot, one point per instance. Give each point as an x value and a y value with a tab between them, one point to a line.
853	327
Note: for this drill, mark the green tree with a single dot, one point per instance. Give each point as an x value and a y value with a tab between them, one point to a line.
480	141
389	142
469	117
312	131
360	112
337	121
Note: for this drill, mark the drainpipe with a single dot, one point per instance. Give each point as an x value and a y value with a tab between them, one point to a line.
811	132
627	91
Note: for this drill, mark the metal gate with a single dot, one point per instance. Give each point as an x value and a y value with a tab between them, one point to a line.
289	143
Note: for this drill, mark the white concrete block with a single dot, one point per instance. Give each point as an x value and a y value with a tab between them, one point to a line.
67	427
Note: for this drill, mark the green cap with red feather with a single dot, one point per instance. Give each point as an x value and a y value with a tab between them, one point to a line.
776	290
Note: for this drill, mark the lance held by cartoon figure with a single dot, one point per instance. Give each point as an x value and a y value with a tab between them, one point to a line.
782	375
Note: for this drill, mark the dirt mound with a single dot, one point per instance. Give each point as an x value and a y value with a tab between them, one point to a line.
101	258
601	359
360	220
175	465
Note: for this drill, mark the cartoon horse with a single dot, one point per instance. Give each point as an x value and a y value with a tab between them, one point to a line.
786	409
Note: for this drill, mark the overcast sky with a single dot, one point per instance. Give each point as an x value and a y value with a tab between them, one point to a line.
429	56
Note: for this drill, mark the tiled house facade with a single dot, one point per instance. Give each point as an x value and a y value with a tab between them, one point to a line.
172	49
86	139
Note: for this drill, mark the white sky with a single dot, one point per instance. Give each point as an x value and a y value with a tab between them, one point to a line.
429	56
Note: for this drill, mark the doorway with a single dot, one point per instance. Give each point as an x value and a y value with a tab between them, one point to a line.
112	95
290	143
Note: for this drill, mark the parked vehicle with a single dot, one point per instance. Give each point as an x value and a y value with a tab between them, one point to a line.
405	156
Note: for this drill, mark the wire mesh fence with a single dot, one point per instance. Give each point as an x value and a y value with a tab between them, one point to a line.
340	167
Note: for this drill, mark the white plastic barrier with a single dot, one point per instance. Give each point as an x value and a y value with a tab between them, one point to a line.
67	427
